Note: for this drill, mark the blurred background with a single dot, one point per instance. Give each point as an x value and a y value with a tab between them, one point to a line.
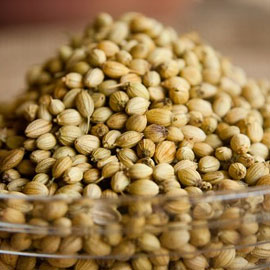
32	30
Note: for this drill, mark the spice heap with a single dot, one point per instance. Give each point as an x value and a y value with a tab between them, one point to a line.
132	108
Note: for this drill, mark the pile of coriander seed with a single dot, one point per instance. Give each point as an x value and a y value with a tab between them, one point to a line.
130	108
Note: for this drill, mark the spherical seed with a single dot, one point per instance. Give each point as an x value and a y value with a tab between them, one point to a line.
174	239
101	115
255	132
259	150
165	152
92	191
56	106
73	80
73	175
237	171
185	153
240	143
70	98
136	89
109	140
136	122
200	105
86	144
93	77
123	57
137	105
69	117
99	130
159	117
118	101
155	133
189	177
119	182
223	153
46	141
163	171
208	164
151	78
146	148
202	149
68	134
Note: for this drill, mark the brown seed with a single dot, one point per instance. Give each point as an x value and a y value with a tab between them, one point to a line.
118	101
237	171
93	77
202	149
68	134
140	171
69	117
185	153
165	152
155	133
208	164
101	115
85	104
240	143
46	141
136	122
160	117
255	172
175	237
12	159
117	120
73	175
200	105
225	257
114	69
189	177
35	188
37	128
56	106
193	133
143	187
136	89
86	144
60	166
129	139
223	153
146	148
137	105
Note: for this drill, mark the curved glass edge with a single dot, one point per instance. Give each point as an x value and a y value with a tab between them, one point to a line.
209	196
123	257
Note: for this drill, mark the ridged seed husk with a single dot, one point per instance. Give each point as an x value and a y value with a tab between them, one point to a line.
128	139
12	159
37	128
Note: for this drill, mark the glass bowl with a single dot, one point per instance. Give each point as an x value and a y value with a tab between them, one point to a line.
214	230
